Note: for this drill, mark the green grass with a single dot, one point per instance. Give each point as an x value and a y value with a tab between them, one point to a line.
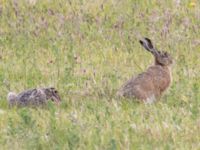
87	49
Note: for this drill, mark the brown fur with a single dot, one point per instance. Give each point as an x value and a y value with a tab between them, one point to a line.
34	97
150	84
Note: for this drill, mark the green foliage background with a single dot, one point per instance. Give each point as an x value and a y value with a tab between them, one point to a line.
87	49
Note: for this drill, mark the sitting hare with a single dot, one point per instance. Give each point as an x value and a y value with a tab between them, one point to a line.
149	85
33	97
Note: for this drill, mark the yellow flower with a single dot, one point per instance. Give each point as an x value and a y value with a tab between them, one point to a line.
192	4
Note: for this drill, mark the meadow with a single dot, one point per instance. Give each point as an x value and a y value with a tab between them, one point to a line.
87	49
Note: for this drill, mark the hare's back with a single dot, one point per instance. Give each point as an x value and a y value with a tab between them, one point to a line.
137	86
23	96
31	97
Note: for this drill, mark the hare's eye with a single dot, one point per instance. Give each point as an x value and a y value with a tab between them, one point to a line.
55	92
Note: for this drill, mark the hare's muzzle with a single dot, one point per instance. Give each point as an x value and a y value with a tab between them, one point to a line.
56	98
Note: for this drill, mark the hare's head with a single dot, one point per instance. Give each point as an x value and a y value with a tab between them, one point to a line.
52	94
161	57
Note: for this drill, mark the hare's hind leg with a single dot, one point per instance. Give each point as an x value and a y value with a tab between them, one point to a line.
151	99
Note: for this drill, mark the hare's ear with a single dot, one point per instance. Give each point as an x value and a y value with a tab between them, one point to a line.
150	45
147	44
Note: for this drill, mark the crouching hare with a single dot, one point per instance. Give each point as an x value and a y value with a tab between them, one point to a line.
149	85
33	97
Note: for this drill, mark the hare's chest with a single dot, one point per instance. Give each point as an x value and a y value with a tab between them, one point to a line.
162	79
167	79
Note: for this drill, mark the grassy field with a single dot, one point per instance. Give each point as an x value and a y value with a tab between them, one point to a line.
87	49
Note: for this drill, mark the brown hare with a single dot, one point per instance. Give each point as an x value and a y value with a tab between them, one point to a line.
149	85
33	97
